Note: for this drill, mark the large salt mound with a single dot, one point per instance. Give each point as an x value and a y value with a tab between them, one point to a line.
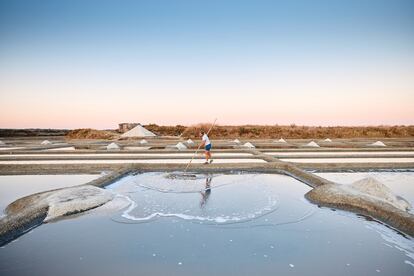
371	186
143	141
312	144
281	140
378	144
75	199
180	146
138	131
249	145
237	141
46	142
113	146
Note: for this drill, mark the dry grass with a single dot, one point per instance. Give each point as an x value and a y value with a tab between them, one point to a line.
88	133
292	131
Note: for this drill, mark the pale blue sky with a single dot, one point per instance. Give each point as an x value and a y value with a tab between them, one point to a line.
96	63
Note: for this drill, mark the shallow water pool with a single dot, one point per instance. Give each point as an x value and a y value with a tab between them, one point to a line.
239	224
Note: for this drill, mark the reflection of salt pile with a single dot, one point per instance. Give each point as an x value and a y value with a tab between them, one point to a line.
312	144
249	145
237	141
180	146
143	141
190	142
46	142
372	187
113	146
378	144
327	140
281	140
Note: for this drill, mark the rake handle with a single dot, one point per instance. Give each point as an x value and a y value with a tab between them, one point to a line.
199	146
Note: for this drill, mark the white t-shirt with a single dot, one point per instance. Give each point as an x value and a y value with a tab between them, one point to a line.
206	140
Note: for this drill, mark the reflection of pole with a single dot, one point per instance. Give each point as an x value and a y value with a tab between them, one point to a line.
206	193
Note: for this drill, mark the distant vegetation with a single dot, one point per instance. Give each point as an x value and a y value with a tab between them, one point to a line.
293	131
230	132
88	133
166	130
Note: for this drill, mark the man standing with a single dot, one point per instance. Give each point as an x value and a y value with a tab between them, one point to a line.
205	142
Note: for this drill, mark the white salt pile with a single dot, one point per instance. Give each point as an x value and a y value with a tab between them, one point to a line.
190	142
371	186
327	140
2	143
378	144
46	142
237	141
143	141
249	145
281	140
180	146
113	146
312	144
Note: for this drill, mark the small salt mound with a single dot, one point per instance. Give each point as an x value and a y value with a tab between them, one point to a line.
2	143
249	145
373	187
312	144
46	142
113	146
378	144
190	142
281	140
237	141
143	141
327	140
180	146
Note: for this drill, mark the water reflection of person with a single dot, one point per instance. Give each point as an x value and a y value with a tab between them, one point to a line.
206	193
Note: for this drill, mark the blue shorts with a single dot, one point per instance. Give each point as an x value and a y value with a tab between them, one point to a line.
208	147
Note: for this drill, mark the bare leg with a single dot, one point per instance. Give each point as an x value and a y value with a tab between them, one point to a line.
207	153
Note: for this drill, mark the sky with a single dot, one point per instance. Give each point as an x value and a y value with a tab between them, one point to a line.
96	63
